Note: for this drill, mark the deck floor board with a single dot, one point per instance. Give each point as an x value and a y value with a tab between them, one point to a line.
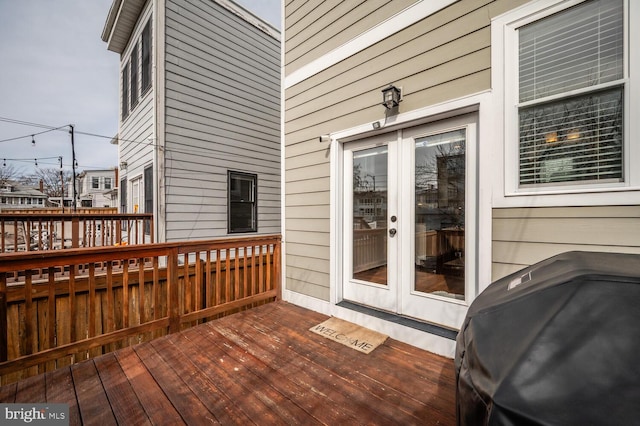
91	395
323	359
259	366
123	400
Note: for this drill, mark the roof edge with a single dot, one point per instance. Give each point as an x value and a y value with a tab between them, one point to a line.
250	17
111	19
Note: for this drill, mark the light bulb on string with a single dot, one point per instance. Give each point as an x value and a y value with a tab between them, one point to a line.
33	141
36	160
4	162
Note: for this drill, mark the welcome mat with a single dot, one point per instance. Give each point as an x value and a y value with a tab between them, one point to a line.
349	334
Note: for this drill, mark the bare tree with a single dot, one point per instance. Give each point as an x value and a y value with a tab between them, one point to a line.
53	183
7	174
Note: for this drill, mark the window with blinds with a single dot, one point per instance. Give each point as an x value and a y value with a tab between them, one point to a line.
571	96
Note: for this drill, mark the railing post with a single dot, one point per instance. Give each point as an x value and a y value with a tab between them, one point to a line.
173	301
4	341
118	236
277	269
75	232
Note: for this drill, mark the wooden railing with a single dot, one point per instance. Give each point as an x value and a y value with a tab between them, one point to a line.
75	304
59	210
48	231
369	249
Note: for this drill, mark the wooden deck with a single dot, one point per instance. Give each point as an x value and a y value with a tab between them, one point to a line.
260	366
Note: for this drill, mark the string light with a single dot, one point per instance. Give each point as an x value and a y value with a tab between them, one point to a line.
36	160
33	141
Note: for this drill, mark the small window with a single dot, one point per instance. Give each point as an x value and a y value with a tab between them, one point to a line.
134	76
107	183
95	182
242	208
571	96
146	56
135	194
125	91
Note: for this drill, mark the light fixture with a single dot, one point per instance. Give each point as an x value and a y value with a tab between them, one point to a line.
573	134
376	125
33	141
123	165
391	96
551	137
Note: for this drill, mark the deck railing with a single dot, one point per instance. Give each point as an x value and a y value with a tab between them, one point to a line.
369	249
74	304
47	230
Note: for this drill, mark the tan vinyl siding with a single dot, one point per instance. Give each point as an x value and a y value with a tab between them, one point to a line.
316	28
445	56
222	112
524	236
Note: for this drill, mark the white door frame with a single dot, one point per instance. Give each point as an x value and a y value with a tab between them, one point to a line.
480	103
371	294
398	294
449	312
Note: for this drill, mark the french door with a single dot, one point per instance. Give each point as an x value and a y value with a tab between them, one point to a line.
409	221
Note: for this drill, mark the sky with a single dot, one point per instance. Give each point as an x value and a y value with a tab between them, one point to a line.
55	71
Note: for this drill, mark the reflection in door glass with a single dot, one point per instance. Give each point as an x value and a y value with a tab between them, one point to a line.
370	215
440	214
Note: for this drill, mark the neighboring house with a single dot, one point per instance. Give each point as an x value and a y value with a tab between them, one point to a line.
95	188
14	195
515	139
199	131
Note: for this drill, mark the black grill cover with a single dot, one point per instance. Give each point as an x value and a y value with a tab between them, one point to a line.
557	343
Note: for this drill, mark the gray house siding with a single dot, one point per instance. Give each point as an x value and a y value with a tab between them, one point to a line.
136	136
213	107
222	112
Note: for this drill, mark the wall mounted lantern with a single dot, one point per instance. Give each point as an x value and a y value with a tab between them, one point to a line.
390	97
123	165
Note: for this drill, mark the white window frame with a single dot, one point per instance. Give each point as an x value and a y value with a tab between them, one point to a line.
504	65
136	195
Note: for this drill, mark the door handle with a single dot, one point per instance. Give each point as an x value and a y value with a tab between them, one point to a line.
392	232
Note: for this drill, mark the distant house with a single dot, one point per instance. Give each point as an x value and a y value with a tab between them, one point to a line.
14	195
514	137
95	188
199	130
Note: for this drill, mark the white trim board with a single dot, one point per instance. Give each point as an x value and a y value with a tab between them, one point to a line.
399	21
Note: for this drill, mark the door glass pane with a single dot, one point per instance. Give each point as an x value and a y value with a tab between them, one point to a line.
440	214
370	215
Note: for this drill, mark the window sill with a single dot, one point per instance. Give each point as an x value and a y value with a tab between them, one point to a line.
620	195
